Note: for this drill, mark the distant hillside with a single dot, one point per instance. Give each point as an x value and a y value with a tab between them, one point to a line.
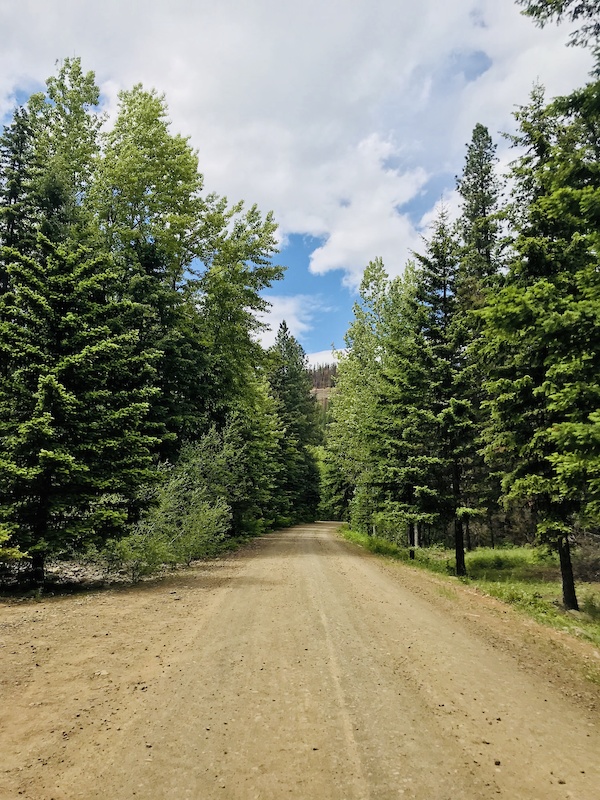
322	376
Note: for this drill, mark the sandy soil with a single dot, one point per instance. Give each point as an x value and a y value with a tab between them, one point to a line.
301	667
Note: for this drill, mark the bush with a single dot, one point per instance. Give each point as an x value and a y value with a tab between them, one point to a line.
185	523
140	553
590	605
202	528
586	561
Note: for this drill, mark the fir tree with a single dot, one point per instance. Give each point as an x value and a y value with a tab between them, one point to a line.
75	394
542	328
289	381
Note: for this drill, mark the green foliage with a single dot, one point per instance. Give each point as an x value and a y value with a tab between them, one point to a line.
8	553
542	331
129	308
518	563
139	554
349	439
432	559
590	605
146	190
184	523
583	11
75	393
296	490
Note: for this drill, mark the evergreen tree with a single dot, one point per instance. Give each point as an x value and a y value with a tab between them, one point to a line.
297	488
479	188
74	397
353	406
17	207
479	274
542	328
403	421
443	332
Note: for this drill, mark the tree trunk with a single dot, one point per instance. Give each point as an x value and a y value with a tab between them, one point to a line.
461	567
566	571
38	572
40	533
459	538
411	540
468	534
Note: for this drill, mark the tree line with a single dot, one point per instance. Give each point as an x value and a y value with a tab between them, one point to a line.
322	376
467	408
137	407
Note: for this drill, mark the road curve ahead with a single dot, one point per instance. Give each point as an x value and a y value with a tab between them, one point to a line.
302	667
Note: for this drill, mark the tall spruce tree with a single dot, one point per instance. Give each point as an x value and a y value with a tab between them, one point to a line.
297	489
74	398
542	328
479	274
443	332
404	423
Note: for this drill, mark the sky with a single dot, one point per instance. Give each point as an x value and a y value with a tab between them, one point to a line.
347	118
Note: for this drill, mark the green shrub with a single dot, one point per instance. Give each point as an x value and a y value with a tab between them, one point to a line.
140	553
201	529
185	523
590	605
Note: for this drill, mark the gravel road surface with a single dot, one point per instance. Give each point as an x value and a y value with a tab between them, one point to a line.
300	667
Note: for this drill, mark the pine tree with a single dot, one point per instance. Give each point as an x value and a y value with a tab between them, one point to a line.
297	489
542	328
404	424
74	396
443	333
17	205
479	274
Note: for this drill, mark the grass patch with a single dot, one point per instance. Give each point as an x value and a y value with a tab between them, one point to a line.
432	559
527	578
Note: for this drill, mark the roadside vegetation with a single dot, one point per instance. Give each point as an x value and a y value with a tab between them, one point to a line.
525	577
466	409
141	421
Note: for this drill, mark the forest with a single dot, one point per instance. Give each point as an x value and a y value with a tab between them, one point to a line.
467	404
141	421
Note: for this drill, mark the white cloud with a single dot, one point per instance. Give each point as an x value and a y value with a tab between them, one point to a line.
322	357
298	312
450	203
332	114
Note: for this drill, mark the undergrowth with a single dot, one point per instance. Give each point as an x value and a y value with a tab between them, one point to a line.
527	578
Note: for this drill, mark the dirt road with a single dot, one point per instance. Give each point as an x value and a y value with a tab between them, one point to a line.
301	667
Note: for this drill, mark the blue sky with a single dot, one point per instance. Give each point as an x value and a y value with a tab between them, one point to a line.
349	120
319	307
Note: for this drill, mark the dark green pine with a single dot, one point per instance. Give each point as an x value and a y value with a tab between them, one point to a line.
75	395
